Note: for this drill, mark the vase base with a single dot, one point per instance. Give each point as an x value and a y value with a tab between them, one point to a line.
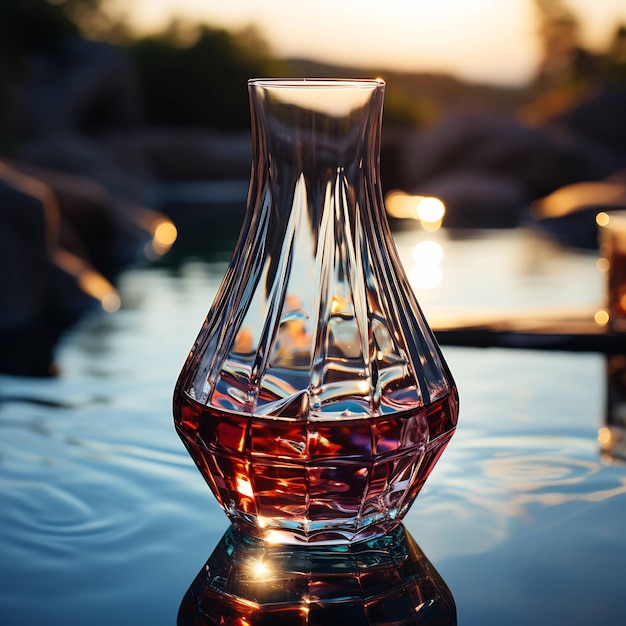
326	532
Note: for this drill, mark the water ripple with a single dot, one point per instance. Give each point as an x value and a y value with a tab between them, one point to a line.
497	486
547	470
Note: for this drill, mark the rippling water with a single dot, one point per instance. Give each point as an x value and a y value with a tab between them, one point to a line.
105	520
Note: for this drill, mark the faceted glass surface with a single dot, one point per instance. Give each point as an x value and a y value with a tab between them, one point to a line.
315	400
387	580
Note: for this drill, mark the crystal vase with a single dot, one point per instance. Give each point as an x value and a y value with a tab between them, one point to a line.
315	400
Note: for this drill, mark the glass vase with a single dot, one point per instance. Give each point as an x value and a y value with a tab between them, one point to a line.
315	400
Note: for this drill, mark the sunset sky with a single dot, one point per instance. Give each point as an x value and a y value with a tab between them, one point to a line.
481	40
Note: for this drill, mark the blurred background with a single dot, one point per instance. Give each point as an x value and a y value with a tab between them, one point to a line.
125	127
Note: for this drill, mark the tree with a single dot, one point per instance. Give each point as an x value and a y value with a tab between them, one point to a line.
201	82
559	30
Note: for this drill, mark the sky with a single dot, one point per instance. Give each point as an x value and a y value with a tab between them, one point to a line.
491	41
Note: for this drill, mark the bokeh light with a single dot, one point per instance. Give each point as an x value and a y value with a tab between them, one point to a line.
601	318
430	209
426	273
427	210
164	234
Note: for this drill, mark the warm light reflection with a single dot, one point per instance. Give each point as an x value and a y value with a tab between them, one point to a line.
401	205
89	280
260	569
95	285
428	210
163	237
601	318
273	536
293	344
605	437
244	487
569	198
337	305
426	273
602	218
603	264
428	252
165	233
244	341
612	442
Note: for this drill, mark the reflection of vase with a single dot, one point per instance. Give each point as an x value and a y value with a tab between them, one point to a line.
315	400
387	580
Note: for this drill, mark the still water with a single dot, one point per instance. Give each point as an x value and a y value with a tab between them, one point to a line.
104	518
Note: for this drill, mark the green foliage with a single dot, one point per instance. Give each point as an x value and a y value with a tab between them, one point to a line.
202	83
404	110
616	57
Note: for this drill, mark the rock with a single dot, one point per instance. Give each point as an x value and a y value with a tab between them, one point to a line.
529	163
599	121
63	241
39	299
106	230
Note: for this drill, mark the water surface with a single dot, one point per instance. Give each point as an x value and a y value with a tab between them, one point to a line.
104	518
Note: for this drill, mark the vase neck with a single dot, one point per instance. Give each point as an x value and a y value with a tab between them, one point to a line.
316	131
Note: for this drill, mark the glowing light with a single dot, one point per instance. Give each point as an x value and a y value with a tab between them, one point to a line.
428	252
260	569
244	341
165	233
274	536
89	280
602	218
163	238
605	437
601	318
244	487
95	285
426	273
401	205
425	277
337	305
430	210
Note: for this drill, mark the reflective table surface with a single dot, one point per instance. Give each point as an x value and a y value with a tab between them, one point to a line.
104	519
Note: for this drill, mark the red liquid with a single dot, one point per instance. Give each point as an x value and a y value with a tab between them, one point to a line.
297	480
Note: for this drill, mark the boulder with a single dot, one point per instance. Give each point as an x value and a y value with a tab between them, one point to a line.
39	299
520	164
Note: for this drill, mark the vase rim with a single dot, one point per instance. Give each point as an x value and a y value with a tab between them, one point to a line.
307	83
